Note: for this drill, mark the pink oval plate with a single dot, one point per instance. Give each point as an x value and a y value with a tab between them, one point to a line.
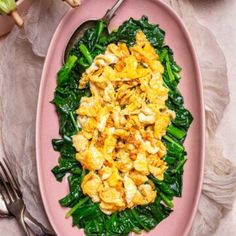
179	222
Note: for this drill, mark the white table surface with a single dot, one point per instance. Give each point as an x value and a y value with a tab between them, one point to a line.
220	17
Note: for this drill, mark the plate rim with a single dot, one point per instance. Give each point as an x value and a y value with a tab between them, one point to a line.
181	24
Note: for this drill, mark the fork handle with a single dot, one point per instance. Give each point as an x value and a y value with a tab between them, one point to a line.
37	228
20	219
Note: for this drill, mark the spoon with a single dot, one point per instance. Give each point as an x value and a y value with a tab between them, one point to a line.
89	24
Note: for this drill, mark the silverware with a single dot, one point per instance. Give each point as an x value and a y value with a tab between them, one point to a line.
88	24
12	198
36	227
11	188
3	210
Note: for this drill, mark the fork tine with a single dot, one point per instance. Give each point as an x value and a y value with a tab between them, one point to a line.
15	180
11	185
2	192
7	191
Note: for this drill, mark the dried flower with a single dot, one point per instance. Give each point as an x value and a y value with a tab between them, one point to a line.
8	7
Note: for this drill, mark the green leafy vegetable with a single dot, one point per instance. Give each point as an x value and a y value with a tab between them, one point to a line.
86	53
64	73
84	212
74	208
128	30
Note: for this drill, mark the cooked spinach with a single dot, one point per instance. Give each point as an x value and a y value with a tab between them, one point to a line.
84	212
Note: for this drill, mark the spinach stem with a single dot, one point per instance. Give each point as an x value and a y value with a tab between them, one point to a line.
168	67
72	210
64	73
137	230
99	47
135	214
67	138
177	133
180	165
166	200
85	65
170	140
163	54
86	53
83	174
73	121
176	68
100	28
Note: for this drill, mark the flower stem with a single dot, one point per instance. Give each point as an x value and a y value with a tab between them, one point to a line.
73	3
17	18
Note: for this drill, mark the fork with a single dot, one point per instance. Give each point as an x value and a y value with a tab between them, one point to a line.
36	227
12	197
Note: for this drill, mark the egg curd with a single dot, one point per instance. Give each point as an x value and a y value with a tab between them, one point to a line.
122	125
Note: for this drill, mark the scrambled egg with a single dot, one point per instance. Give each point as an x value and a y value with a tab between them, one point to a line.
122	126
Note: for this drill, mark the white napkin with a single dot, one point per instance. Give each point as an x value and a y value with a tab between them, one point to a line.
23	54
